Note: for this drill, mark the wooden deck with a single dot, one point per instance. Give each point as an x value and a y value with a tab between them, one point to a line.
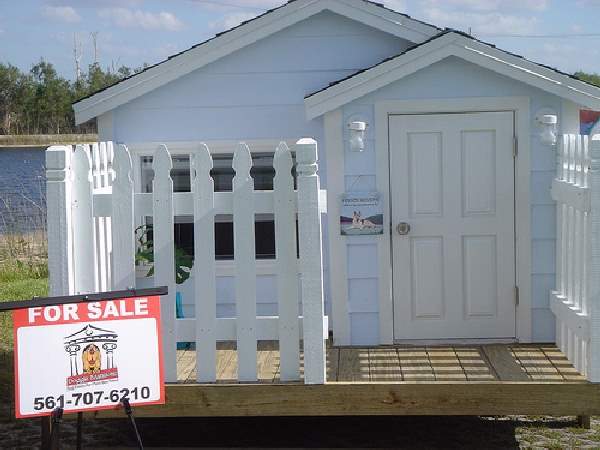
394	380
406	363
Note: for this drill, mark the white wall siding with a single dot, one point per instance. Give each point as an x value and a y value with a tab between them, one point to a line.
257	92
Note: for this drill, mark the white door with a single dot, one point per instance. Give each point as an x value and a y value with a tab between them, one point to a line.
452	200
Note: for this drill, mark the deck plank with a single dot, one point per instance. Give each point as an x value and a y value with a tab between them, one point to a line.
415	364
445	364
384	364
333	360
227	363
559	360
267	361
536	364
475	364
354	364
186	365
504	363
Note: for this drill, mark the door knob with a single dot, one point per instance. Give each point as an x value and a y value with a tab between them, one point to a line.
403	228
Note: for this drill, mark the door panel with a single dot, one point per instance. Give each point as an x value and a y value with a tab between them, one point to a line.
452	181
426	262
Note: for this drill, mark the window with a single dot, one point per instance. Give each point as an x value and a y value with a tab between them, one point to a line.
262	172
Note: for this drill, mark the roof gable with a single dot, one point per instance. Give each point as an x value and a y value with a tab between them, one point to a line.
364	11
439	47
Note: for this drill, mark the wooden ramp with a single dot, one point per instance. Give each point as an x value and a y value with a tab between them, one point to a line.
394	380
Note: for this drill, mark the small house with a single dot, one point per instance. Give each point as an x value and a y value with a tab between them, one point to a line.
437	158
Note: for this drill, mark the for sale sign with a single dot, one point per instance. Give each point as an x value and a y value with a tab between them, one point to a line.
88	356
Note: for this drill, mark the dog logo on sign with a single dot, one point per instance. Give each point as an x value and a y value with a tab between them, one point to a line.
91	353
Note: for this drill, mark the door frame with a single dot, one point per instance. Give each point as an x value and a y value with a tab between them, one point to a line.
520	106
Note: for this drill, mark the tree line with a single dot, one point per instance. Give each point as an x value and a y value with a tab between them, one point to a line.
39	101
593	78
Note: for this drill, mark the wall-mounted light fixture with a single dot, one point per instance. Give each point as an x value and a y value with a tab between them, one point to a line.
548	128
357	135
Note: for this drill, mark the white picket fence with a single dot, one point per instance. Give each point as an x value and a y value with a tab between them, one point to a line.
576	300
92	208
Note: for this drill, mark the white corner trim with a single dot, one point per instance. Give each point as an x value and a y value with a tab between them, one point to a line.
452	44
384	255
233	40
338	270
521	108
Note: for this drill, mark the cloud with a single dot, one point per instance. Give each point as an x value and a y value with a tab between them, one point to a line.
62	13
485	23
231	20
488	5
166	50
565	57
127	18
95	3
239	4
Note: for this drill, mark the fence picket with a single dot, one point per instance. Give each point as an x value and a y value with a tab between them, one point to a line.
84	241
204	264
106	182
58	194
311	261
164	253
560	236
245	264
587	237
287	264
122	222
580	237
560	229
95	153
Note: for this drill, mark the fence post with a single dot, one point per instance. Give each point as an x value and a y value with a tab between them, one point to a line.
204	265
594	273
122	222
85	267
60	242
164	254
311	261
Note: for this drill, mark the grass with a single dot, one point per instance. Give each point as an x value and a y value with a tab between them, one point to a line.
18	281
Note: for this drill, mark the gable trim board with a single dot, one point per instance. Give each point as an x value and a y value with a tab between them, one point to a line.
446	44
364	11
521	108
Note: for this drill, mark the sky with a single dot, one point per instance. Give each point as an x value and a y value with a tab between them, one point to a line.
560	33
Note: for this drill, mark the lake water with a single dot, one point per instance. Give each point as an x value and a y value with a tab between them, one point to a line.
22	189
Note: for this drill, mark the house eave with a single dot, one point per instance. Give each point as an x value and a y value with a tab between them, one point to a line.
451	44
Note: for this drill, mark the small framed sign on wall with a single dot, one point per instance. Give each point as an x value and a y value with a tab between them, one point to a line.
361	214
